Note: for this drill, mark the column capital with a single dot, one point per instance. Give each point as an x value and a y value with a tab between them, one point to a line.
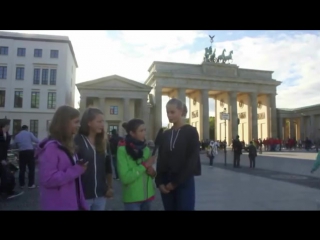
233	94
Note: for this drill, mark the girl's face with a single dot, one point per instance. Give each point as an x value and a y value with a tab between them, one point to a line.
140	133
97	124
174	114
74	125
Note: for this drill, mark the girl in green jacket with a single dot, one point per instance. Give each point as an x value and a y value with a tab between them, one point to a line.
135	168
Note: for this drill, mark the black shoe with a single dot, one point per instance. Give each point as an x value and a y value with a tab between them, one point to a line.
14	194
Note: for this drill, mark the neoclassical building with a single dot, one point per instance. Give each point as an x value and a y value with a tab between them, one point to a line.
246	96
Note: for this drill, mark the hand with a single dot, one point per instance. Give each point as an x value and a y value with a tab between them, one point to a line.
169	186
151	172
163	189
83	164
150	161
109	193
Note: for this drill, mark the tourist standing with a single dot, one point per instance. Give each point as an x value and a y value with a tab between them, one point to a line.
178	161
91	145
252	154
24	141
59	167
237	151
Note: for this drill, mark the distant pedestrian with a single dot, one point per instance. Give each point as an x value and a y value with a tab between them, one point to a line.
24	141
252	154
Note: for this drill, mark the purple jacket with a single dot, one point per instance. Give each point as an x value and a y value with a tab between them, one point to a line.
59	178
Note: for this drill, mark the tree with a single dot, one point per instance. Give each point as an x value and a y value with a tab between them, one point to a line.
187	121
212	121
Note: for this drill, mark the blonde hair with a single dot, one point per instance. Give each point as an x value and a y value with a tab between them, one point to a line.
180	105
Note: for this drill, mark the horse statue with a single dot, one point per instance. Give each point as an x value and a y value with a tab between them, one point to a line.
208	52
228	58
212	57
221	57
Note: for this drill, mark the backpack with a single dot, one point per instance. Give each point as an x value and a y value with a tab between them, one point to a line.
210	152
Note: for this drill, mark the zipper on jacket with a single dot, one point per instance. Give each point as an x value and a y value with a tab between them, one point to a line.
95	167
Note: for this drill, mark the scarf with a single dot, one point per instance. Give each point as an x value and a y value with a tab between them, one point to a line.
134	147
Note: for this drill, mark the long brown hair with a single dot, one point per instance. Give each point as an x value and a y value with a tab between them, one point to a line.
59	126
88	116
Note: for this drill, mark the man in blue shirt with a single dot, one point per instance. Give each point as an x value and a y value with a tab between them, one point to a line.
24	140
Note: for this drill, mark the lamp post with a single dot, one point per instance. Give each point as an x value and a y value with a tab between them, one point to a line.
225	136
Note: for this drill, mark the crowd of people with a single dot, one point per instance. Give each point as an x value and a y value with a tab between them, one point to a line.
75	162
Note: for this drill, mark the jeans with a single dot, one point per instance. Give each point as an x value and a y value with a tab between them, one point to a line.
97	204
181	198
140	206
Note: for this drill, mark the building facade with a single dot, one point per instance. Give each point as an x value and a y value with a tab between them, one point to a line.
37	75
300	123
247	96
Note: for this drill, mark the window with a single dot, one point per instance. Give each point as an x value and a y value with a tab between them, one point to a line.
19	73
38	53
113	110
3	72
48	124
4	50
2	98
54	54
21	52
53	76
18	99
45	73
113	127
34	127
36	76
16	126
51	100
35	99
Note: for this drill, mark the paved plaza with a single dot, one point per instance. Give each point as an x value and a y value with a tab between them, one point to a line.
281	181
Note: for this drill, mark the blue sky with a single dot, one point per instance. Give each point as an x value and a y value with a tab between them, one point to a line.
294	56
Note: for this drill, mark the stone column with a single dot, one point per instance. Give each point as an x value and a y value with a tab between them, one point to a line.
234	114
313	130
126	109
181	94
292	128
281	123
273	111
205	114
145	113
158	110
83	104
102	105
254	115
301	127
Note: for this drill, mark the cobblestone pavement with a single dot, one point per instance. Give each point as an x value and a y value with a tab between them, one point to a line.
278	183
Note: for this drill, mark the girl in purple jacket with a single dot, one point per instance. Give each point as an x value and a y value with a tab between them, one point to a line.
59	167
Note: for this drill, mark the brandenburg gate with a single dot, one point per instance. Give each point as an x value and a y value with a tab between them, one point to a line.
247	95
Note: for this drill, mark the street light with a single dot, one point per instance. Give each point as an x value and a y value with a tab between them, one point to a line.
225	137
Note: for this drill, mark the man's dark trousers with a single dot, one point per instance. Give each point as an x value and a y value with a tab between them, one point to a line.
236	159
26	159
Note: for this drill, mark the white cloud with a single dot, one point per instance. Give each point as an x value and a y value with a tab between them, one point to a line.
293	58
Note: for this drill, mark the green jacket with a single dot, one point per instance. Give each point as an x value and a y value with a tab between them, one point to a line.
137	185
